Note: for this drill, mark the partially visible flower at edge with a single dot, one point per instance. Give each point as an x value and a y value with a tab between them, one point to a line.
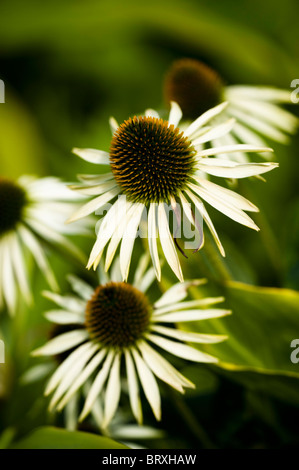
196	87
32	214
120	326
153	164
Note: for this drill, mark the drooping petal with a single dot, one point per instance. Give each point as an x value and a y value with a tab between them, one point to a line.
201	209
112	394
167	242
152	239
134	395
97	386
223	206
160	367
71	375
128	239
149	384
82	377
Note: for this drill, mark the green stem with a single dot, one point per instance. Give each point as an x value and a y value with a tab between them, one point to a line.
214	262
189	418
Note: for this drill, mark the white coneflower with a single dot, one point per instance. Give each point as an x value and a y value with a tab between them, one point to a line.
196	87
115	325
32	214
155	165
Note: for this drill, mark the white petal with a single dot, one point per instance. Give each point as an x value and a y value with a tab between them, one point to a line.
92	156
201	209
262	93
94	205
241	170
189	304
115	274
95	179
71	375
167	242
97	386
174	372
181	350
82	377
95	189
62	343
160	367
187	336
52	236
152	239
80	287
113	124
20	269
151	113
61	317
259	125
70	303
204	118
194	221
245	134
177	292
175	114
230	196
223	206
215	132
117	236
8	281
149	384
112	394
109	224
232	148
140	269
273	114
191	315
66	365
147	280
129	236
134	396
230	140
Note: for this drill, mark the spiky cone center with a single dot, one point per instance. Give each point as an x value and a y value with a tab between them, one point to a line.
12	202
150	160
195	86
117	315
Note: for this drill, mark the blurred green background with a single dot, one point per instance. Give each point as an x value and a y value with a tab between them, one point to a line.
70	65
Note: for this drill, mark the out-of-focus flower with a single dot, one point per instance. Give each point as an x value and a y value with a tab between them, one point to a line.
32	216
196	87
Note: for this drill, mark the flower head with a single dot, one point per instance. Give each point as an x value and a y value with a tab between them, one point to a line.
155	167
120	326
32	214
196	87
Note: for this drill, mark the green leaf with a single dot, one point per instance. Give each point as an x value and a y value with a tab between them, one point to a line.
48	437
263	323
